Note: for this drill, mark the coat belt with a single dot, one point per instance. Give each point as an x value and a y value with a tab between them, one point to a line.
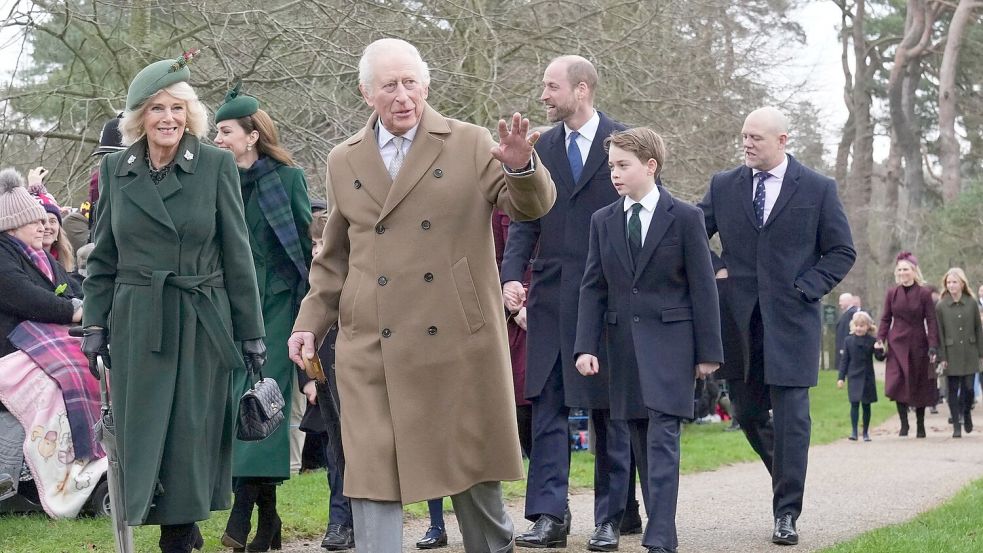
205	309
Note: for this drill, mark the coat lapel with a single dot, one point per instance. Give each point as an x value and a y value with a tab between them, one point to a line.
596	157
139	188
426	146
745	188
618	235
366	163
661	220
560	171
789	184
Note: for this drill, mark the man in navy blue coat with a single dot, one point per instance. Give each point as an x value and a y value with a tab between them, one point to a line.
556	247
649	289
785	243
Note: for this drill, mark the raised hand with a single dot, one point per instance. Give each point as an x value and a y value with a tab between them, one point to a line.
514	150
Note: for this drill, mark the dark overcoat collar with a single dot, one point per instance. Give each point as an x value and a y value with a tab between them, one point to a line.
789	185
617	228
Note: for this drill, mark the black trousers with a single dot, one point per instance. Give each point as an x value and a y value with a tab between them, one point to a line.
959	395
656	443
781	438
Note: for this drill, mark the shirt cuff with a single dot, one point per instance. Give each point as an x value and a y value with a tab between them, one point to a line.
529	169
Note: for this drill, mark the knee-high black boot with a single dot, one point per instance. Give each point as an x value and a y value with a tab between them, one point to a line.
903	415
269	524
180	538
920	422
237	529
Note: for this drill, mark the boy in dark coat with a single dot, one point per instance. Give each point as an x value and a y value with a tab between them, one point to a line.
649	284
857	368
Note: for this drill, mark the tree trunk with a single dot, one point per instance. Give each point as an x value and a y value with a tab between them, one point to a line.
948	144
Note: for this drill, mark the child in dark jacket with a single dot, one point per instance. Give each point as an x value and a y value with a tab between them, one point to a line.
857	368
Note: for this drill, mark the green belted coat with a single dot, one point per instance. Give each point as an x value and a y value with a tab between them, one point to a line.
172	278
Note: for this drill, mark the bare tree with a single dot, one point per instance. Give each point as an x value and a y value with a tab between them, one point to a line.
949	148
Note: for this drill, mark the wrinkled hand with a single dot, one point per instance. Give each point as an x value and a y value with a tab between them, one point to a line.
514	295
310	390
520	318
301	343
703	370
587	364
254	354
95	343
514	150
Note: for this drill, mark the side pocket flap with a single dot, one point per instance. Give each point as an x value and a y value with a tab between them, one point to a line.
611	317
677	314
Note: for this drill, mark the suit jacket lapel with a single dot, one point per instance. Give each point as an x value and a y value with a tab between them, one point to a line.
426	146
557	150
661	219
618	235
789	185
595	157
366	162
745	188
139	188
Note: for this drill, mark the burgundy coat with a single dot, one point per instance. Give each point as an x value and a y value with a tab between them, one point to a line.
517	336
908	324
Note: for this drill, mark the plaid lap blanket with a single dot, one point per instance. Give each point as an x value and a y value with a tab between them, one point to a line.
60	357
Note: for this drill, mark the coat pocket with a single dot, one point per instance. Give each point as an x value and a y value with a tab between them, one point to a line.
467	295
349	295
676	314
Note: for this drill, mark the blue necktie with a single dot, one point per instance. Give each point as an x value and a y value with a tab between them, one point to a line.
759	198
573	155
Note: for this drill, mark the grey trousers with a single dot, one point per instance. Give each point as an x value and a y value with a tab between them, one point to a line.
480	510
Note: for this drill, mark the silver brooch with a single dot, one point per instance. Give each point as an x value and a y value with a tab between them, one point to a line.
188	155
131	159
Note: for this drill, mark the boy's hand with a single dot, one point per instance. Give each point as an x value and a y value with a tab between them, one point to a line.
587	364
704	370
839	384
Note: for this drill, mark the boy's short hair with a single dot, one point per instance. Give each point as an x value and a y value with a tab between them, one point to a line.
645	143
317	225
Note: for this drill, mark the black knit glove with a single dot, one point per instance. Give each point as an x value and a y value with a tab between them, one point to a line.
254	354
95	343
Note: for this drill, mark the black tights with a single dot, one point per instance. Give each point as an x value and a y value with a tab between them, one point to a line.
959	395
854	415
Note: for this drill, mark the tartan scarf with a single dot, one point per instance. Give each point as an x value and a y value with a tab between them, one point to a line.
275	205
60	357
37	257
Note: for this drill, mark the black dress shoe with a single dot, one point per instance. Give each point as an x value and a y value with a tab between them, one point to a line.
567	520
631	522
547	531
660	550
604	538
785	533
435	538
338	538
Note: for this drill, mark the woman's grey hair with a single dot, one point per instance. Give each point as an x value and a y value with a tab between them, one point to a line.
389	46
131	125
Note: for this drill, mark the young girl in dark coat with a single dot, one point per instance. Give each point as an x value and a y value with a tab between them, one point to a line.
857	367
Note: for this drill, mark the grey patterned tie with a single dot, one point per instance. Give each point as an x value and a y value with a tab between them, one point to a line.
398	159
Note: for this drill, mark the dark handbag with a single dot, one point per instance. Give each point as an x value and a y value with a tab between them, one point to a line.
260	410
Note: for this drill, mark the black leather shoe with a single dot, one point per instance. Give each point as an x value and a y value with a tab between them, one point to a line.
785	533
604	538
436	537
968	422
567	520
631	522
338	538
547	531
660	550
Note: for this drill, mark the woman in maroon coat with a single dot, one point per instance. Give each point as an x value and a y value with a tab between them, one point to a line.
909	326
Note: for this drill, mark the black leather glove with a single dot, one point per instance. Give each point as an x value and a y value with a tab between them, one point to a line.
95	343
254	354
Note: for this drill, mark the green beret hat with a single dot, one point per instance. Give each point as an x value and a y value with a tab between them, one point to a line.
236	105
157	76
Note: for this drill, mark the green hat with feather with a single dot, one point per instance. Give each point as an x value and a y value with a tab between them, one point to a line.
158	76
236	105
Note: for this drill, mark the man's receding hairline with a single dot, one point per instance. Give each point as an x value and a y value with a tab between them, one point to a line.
771	117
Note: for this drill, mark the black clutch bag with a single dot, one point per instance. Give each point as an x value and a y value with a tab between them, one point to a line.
260	410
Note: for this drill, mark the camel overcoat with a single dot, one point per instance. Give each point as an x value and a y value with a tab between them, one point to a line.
408	270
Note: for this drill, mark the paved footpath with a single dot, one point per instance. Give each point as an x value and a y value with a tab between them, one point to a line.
852	487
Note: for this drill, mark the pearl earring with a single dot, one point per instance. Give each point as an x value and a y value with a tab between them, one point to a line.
249	147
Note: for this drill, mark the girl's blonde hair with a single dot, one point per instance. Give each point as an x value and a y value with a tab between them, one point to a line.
131	125
961	275
919	279
863	317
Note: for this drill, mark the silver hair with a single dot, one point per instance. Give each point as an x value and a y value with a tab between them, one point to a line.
389	46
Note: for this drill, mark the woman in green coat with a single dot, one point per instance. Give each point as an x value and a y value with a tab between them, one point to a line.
960	347
278	213
172	287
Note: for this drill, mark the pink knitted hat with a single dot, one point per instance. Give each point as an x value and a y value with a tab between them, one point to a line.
17	206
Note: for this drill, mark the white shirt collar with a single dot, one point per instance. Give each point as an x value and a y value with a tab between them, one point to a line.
777	172
649	201
588	129
384	136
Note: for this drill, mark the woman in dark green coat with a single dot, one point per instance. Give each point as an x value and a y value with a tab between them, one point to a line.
171	285
278	214
960	347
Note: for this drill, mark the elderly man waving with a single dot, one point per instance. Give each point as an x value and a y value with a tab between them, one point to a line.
408	271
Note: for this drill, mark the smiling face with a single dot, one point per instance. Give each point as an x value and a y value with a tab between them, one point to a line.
954	285
629	175
763	138
31	234
397	92
164	120
51	230
231	136
559	94
860	327
904	273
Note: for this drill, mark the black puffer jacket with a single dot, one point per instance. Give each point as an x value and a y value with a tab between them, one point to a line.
27	295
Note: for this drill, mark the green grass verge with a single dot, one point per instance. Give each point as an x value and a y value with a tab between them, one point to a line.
303	499
956	525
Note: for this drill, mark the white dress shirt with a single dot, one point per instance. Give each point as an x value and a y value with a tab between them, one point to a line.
645	214
387	148
773	185
587	132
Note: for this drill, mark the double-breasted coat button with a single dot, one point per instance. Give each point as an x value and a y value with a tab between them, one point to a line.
425	225
428	277
634	290
383	281
332	365
438	173
357	184
635	318
386	333
380	228
432	330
